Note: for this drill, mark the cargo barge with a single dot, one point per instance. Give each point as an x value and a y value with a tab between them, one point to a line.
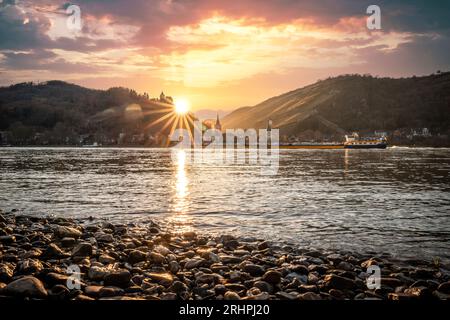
351	142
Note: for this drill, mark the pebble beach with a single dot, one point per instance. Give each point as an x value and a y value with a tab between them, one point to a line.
53	258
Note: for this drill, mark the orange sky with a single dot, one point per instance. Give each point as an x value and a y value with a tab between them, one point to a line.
215	55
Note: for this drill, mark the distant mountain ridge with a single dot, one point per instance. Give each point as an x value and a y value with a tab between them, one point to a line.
57	112
354	103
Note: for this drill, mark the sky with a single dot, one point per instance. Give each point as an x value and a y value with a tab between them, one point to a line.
218	54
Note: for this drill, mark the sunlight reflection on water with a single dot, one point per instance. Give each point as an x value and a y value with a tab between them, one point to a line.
395	200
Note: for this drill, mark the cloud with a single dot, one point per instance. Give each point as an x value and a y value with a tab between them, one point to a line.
213	47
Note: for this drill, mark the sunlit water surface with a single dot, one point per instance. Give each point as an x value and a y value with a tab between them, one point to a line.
389	201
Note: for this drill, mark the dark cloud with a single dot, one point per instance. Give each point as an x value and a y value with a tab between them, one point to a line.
44	60
19	30
25	44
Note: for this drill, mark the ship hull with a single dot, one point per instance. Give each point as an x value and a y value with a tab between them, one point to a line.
337	146
366	146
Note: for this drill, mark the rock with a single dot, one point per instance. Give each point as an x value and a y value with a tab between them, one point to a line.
299	269
161	250
156	257
6	271
52	251
214	258
174	267
136	256
309	296
178	287
119	278
220	289
32	253
166	279
285	295
82	250
124	298
207	278
67	232
53	278
391	282
260	296
441	296
229	259
419	292
82	297
27	286
343	265
231	244
444	287
29	266
308	288
401	296
368	263
338	294
263	245
193	263
190	235
97	273
301	278
110	292
231	295
58	292
93	291
68	242
272	276
7	239
335	258
422	273
104	237
263	286
253	269
337	282
168	296
235	287
106	259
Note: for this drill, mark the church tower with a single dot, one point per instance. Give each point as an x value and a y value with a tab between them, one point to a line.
218	126
162	97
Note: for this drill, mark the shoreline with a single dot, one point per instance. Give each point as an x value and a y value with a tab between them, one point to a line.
66	259
160	147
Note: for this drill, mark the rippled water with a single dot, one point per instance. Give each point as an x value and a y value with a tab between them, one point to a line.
389	201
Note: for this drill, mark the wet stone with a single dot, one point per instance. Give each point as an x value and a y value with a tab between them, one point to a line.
136	256
230	295
253	269
118	278
29	266
27	286
53	251
68	242
82	250
67	232
272	276
338	282
444	287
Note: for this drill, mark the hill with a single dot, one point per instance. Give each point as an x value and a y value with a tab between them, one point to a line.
347	103
56	112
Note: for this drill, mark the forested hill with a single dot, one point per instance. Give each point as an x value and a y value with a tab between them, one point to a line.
59	112
355	103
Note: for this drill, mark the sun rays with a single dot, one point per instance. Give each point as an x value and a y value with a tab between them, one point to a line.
175	116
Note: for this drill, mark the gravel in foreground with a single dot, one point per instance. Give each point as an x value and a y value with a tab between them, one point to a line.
63	259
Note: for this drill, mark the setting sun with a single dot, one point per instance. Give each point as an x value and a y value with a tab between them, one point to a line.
181	106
